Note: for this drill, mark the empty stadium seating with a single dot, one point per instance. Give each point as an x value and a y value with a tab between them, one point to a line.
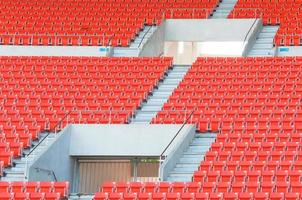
259	96
33	190
89	22
254	104
201	190
287	14
36	93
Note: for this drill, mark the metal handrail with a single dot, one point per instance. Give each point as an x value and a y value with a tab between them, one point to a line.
49	171
162	157
60	122
40	142
144	36
47	134
249	30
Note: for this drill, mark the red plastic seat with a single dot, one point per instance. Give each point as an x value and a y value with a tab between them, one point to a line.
100	196
5	196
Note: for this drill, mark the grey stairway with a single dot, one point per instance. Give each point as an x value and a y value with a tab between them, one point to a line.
19	170
264	44
191	158
223	9
160	94
136	45
80	197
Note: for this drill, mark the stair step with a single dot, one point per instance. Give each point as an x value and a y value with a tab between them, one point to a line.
202	142
194	149
173	81
185	169
263	46
175	173
264	41
260	52
219	15
140	121
190	160
266	35
151	108
179	179
226	6
206	135
270	28
14	170
80	197
186	165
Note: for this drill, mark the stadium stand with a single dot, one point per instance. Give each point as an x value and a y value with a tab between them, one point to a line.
252	105
239	95
255	106
287	14
34	190
38	92
90	23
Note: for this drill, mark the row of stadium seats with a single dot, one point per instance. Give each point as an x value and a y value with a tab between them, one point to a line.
76	24
253	105
38	92
195	187
31	196
198	190
33	190
199	196
89	23
275	106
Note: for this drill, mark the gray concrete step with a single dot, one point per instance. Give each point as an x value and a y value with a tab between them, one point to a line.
80	196
191	158
263	45
135	46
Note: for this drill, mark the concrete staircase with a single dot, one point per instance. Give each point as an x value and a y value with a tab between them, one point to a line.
264	45
223	9
191	158
161	94
135	46
80	197
19	171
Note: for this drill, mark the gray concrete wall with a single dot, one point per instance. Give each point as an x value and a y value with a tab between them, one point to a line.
56	158
123	140
155	44
289	51
109	141
9	50
185	40
168	164
200	30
